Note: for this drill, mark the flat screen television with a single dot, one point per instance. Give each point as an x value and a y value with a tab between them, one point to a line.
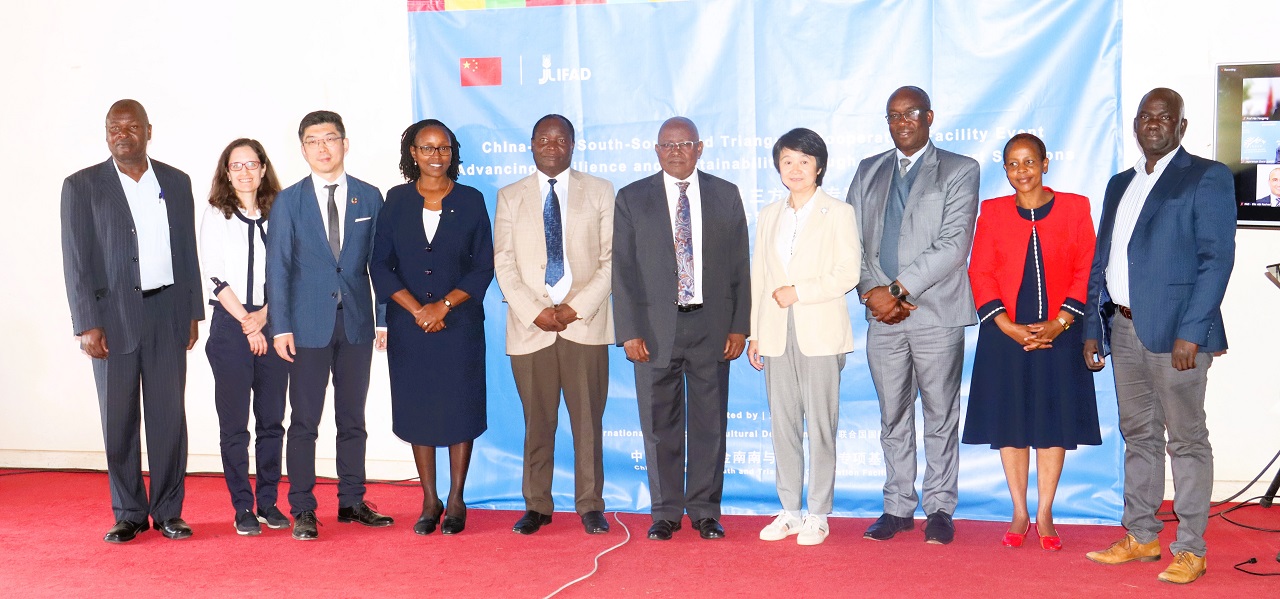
1247	139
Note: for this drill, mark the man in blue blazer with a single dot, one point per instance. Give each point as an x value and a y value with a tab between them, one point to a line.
1166	245
318	252
129	259
682	312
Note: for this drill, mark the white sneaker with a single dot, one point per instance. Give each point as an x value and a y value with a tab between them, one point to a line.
813	531
783	526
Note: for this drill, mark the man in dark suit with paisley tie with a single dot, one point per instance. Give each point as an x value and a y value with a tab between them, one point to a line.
682	308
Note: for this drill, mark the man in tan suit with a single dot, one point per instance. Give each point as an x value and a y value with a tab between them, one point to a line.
553	253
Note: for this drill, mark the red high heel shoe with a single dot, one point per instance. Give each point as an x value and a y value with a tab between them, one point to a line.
1014	540
1053	543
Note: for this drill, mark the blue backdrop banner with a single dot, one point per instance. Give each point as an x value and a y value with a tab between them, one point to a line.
746	72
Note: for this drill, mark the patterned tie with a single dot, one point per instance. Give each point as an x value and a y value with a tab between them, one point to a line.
555	233
684	245
335	238
902	166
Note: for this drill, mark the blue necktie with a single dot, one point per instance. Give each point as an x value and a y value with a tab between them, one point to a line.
555	233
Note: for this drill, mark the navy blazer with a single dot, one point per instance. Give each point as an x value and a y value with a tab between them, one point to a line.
645	282
460	256
304	282
100	255
1181	254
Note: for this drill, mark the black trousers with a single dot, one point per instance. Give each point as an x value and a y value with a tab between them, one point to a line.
148	382
242	380
349	363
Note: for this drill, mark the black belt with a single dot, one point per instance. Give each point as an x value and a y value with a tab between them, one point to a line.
688	307
1124	311
151	292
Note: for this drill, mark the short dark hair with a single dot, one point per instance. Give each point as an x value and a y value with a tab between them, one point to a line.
222	195
920	93
805	141
1035	141
321	117
568	125
409	166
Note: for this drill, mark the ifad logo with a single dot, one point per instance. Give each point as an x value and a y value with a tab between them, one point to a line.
550	75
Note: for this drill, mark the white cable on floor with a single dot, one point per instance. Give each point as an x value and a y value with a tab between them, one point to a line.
595	567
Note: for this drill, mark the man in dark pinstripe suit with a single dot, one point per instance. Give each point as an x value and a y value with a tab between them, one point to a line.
133	283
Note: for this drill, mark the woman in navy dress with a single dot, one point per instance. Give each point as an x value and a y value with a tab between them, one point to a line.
1032	252
432	263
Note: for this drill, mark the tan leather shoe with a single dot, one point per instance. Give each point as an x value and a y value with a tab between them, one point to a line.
1126	550
1186	567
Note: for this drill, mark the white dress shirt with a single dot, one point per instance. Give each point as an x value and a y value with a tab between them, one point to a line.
912	159
151	225
790	224
560	290
227	256
339	196
1126	219
695	222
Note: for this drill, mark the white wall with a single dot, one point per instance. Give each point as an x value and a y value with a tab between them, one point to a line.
209	72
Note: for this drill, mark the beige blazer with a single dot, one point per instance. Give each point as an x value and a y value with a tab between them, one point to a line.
825	265
520	261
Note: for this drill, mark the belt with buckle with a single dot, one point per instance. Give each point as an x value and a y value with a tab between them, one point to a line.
151	292
688	307
1124	311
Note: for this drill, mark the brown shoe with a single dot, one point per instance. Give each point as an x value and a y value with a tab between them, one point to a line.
1186	567
1127	550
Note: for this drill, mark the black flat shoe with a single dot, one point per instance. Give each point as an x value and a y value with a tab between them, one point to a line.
531	522
595	523
453	525
939	530
124	531
663	529
174	528
427	524
709	528
888	525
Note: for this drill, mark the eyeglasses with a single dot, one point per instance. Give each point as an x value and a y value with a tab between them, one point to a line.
252	165
315	143
671	146
910	115
433	150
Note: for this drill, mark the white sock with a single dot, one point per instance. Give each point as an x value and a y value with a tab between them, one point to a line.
794	514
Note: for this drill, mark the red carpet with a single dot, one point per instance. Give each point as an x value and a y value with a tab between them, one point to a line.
51	546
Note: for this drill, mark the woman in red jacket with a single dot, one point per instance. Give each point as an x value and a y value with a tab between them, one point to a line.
1030	271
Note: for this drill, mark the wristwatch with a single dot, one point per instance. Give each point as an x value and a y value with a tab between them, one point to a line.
896	290
448	304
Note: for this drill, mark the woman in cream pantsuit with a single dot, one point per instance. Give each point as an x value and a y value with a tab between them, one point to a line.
807	259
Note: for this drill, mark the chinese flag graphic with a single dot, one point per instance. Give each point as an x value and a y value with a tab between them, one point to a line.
481	71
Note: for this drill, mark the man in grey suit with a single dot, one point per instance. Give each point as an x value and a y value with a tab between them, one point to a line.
132	276
682	310
916	206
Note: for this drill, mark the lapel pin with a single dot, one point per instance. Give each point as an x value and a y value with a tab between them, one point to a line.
355	200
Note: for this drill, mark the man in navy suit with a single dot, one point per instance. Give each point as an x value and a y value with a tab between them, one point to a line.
1166	245
321	305
129	259
682	311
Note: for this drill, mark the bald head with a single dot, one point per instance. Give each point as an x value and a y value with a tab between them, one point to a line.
1273	181
129	106
1159	124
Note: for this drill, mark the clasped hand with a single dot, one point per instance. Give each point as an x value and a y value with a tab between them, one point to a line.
1039	335
430	317
885	307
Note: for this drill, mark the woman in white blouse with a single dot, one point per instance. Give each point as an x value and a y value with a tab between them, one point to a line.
233	260
806	259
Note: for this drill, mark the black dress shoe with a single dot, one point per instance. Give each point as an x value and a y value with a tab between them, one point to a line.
663	529
531	522
453	525
272	517
174	528
124	531
595	523
709	528
362	513
939	530
304	526
888	525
